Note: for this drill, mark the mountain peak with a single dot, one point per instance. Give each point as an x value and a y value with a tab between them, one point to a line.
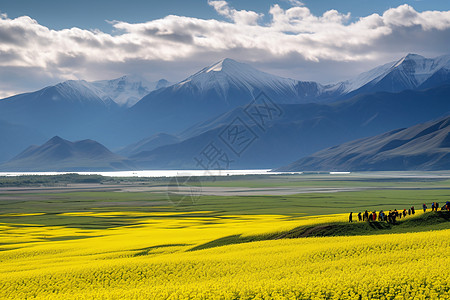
409	72
227	66
409	58
228	72
127	90
413	56
222	65
56	139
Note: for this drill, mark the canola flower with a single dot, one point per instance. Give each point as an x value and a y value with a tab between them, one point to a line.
105	265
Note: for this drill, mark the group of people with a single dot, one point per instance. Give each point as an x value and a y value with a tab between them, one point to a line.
393	215
435	206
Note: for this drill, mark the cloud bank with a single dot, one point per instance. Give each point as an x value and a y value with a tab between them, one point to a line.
294	42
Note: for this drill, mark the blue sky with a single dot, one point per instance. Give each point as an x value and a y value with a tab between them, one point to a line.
88	14
321	40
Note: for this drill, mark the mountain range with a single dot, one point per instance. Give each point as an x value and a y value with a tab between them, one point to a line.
424	146
172	123
303	129
58	154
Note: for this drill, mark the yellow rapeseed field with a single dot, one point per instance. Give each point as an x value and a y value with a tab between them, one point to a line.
151	260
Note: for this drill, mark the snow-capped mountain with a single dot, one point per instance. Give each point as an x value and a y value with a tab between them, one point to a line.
410	72
79	91
71	92
128	89
229	75
216	89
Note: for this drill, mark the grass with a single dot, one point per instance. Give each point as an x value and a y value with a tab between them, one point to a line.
371	179
52	206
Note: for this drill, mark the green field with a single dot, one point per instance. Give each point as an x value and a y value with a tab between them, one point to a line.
384	194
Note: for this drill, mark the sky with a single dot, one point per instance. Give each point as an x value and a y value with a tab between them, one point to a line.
48	41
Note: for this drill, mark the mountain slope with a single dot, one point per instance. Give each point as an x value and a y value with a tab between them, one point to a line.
149	144
303	129
421	147
58	154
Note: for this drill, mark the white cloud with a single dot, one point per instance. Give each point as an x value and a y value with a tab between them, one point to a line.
244	17
295	3
292	42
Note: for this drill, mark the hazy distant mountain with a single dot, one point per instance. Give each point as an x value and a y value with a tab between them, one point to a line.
72	108
128	89
149	144
15	138
421	147
58	154
303	129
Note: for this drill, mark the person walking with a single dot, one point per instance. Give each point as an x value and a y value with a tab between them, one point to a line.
359	217
413	210
432	206
424	206
350	217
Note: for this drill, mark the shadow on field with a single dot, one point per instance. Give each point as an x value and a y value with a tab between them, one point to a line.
425	222
147	250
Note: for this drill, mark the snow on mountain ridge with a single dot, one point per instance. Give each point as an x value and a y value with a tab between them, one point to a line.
422	68
79	90
221	75
362	79
413	70
128	89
